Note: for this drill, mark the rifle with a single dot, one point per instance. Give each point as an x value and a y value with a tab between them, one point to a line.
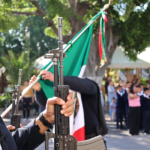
62	139
15	118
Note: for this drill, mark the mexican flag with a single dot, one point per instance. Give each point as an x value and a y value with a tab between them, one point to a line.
74	65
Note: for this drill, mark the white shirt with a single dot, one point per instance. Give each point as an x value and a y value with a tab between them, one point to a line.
139	94
145	95
113	105
120	93
0	147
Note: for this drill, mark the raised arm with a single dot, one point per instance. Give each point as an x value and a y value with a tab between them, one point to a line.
133	96
85	86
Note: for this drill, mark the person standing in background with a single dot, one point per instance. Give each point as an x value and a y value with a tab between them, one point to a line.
123	84
107	84
102	100
138	82
139	90
145	108
111	94
27	101
119	107
134	111
113	107
126	102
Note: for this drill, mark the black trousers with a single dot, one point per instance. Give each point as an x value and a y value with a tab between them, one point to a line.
134	120
146	121
26	106
119	115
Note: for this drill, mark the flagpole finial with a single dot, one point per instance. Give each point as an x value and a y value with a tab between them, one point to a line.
107	5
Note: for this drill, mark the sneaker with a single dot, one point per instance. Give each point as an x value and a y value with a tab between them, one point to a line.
24	120
29	119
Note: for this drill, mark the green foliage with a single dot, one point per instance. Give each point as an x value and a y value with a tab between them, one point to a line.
37	26
130	20
7	19
13	64
5	97
143	81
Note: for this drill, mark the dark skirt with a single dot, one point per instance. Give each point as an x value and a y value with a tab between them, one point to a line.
134	120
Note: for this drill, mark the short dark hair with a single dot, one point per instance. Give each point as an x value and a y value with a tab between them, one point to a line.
113	97
131	89
146	89
138	86
26	80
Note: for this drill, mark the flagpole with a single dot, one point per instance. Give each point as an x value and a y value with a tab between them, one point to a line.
65	49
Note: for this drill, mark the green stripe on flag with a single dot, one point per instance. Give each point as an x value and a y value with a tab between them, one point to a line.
77	56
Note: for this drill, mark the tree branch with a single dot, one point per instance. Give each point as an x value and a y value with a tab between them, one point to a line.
24	13
39	12
39	8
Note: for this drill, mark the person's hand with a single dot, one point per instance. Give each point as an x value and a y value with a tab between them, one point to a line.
37	85
46	75
11	127
67	108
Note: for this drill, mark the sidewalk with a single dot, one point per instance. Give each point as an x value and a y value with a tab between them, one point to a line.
121	139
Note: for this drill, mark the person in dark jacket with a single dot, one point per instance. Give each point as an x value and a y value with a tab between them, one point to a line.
119	106
32	135
126	106
90	97
145	106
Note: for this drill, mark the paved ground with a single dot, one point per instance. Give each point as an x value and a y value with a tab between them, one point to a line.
116	139
121	139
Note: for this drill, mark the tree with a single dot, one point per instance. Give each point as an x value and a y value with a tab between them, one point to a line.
16	40
128	25
13	64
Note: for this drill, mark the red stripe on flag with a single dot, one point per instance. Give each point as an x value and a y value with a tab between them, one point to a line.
106	19
100	43
80	134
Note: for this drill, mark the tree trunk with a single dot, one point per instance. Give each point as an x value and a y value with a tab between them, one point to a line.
93	70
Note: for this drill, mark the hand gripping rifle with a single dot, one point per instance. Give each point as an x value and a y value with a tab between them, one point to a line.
15	118
62	139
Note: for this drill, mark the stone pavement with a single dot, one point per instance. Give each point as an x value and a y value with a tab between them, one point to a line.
116	139
121	139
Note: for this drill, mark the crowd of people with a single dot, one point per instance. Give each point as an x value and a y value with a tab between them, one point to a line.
129	103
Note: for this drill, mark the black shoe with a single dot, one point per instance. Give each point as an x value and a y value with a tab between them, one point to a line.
122	127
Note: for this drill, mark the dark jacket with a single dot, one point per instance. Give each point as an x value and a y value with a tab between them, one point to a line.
90	98
120	101
25	138
145	103
126	101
